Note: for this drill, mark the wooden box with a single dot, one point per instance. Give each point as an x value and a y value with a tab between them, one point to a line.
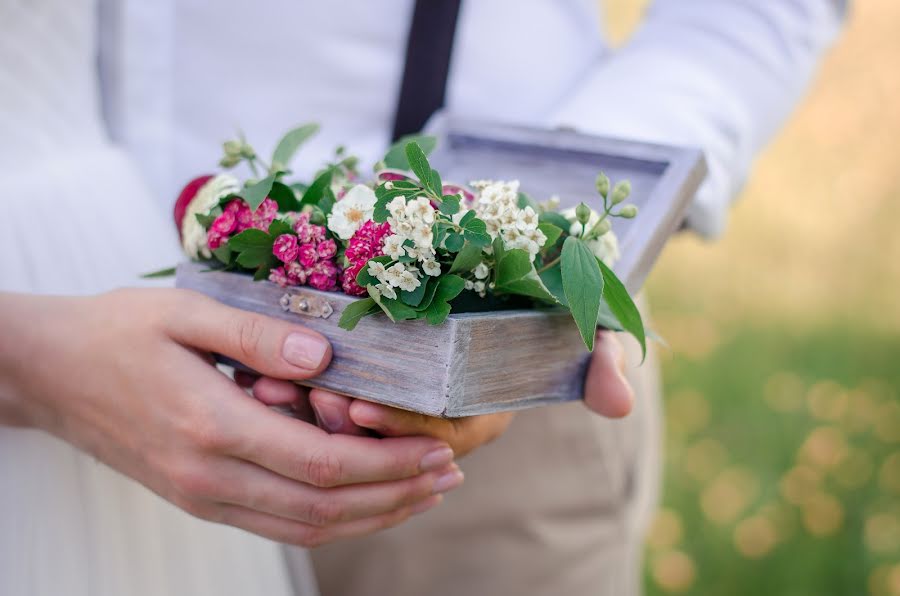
485	362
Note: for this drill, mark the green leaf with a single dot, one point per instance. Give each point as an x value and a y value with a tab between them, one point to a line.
607	320
255	194
223	253
622	306
254	248
283	195
438	314
434	183
414	298
418	162
290	142
355	311
516	275
262	272
384	195
205	220
583	285
396	155
454	242
551	231
279	227
450	204
552	279
249	239
317	189
431	286
525	200
557	219
476	232
398	310
466	218
467	258
167	272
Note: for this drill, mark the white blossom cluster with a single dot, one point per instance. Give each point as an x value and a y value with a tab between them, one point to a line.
481	273
498	206
411	223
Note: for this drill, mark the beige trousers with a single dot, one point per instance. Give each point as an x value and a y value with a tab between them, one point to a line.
557	505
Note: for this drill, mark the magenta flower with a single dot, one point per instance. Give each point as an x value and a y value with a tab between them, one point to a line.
326	249
285	248
296	274
321	281
278	276
367	242
308	255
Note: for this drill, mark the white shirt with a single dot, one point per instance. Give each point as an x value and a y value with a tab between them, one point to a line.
718	74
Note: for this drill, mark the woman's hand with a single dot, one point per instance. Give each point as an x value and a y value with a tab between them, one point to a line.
607	393
127	377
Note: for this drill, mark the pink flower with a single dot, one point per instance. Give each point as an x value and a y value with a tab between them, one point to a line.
285	248
326	249
214	239
224	224
278	276
348	280
300	219
367	242
308	255
265	214
391	174
318	233
326	267
295	273
455	189
321	281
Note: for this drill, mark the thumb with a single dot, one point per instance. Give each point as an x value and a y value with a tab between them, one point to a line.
269	346
606	391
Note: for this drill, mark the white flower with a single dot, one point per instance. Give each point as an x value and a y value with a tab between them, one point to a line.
422	236
393	246
402	228
193	236
526	219
397	207
352	211
606	248
537	236
394	274
431	267
478	286
376	269
386	291
408	281
481	271
469	284
420	210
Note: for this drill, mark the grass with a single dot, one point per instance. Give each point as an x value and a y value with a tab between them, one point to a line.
782	383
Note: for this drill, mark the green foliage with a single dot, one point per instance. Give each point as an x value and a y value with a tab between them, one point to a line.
516	275
284	196
255	194
583	286
355	311
205	219
160	273
622	306
289	143
396	156
467	258
418	163
552	232
318	189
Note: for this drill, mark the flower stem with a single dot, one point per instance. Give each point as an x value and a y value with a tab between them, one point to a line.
548	265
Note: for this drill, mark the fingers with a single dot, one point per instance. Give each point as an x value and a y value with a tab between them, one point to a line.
272	347
394	422
333	412
309	536
606	390
248	485
303	452
275	392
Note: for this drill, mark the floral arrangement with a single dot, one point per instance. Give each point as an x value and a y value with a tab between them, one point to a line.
409	244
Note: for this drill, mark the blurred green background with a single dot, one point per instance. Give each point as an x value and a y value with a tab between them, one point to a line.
783	369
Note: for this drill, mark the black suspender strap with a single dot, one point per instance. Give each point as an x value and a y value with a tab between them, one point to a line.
428	50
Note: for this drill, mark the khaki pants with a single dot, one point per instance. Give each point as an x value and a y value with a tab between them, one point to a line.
557	505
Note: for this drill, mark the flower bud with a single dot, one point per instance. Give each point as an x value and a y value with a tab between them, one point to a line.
229	161
628	211
232	148
247	151
621	192
602	184
582	213
602	227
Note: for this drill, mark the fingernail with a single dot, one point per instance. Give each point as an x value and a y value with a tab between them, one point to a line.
436	459
329	416
429	503
447	482
305	351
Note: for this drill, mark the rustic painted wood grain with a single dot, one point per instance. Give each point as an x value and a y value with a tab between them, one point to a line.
486	362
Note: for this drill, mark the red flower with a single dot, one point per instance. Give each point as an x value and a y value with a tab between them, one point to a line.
285	248
185	197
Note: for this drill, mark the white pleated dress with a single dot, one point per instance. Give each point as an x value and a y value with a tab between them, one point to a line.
76	218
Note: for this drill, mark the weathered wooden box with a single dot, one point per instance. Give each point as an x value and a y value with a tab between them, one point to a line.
484	362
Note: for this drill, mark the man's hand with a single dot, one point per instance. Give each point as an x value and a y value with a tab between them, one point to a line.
607	393
127	377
